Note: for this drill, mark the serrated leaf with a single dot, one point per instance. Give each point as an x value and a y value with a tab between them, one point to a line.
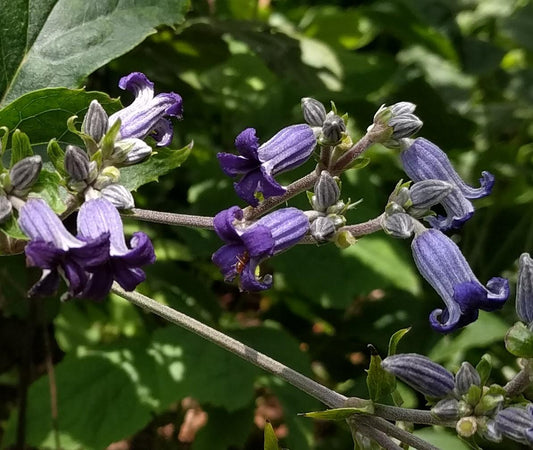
21	147
395	339
157	165
271	441
519	341
341	413
379	382
43	114
59	43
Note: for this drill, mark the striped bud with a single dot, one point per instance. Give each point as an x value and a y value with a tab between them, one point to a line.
332	128
516	424
313	111
95	121
447	409
327	192
322	229
427	193
119	196
76	163
465	377
25	173
399	225
420	373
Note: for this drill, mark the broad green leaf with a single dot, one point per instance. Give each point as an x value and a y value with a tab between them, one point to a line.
57	156
450	350
43	114
519	341
271	441
59	43
162	161
442	439
341	413
94	396
484	368
395	339
379	382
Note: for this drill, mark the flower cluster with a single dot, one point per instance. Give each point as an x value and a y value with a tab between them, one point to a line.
88	262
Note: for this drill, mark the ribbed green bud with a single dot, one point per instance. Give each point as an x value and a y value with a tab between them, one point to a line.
25	173
465	377
313	111
76	163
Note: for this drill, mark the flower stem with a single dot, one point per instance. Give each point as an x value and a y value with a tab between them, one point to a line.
520	381
311	387
361	229
167	218
419	416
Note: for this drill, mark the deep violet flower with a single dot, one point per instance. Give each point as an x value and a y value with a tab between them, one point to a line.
249	244
442	264
53	249
99	217
147	114
423	160
258	164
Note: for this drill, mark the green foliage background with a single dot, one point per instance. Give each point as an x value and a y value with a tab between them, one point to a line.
120	373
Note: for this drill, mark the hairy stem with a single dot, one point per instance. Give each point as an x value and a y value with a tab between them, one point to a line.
167	218
520	381
361	229
358	424
309	386
419	416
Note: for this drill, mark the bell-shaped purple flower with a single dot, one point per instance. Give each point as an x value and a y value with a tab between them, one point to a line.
423	160
99	217
53	249
147	114
258	164
442	264
249	244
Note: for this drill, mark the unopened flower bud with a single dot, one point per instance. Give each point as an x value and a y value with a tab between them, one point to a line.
402	108
524	289
516	424
399	225
313	111
447	409
119	196
322	229
327	192
426	193
344	239
490	403
420	373
490	432
95	121
332	128
5	208
76	163
25	173
404	125
466	427
108	176
131	151
465	377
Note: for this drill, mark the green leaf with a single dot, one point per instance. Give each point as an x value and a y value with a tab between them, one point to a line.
49	187
441	438
519	341
358	163
379	382
84	386
159	163
271	441
21	147
395	339
484	367
10	228
59	43
56	156
341	413
43	114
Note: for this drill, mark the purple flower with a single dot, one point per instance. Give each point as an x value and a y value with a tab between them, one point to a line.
57	252
289	148
98	217
524	289
516	424
248	245
442	264
146	115
423	160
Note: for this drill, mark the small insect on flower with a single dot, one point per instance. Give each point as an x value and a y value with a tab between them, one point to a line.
242	260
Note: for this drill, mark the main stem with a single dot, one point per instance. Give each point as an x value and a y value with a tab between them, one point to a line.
311	387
